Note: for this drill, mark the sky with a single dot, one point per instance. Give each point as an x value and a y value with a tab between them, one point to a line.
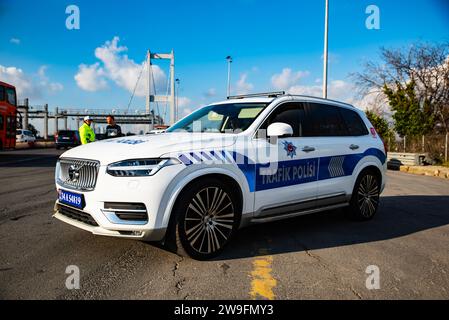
275	45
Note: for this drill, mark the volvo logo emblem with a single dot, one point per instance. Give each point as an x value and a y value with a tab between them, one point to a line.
74	173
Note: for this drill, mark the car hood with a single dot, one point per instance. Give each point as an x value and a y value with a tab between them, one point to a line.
149	146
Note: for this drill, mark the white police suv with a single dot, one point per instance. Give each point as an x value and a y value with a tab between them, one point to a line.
249	159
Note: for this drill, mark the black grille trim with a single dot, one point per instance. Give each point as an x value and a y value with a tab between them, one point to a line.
77	215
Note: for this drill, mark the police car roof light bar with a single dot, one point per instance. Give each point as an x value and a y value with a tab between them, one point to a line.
262	94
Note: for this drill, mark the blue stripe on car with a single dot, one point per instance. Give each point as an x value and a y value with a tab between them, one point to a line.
290	172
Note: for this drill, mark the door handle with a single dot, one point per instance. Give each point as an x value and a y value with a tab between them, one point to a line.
308	149
353	147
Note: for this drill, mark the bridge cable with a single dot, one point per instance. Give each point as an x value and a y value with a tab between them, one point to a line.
135	86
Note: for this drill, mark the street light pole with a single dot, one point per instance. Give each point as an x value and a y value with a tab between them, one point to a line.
229	59
177	95
325	59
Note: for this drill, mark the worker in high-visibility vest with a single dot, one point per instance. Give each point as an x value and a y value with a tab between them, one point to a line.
87	135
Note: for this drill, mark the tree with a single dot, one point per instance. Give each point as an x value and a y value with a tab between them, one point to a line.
410	117
423	64
380	124
33	130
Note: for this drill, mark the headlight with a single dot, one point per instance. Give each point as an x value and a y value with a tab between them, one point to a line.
139	167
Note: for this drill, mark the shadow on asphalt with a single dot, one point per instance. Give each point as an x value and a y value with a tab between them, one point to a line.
397	216
13	160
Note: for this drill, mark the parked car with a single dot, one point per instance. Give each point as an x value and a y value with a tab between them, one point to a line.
242	161
67	139
25	136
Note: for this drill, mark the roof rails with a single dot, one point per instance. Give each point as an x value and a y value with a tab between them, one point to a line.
262	94
276	94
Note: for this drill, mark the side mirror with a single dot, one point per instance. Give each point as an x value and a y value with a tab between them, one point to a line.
279	129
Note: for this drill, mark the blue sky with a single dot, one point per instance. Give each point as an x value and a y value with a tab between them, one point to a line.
275	45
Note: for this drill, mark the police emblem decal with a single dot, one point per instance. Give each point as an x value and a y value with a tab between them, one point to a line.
290	148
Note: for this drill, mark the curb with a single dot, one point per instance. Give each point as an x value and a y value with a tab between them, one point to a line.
430	171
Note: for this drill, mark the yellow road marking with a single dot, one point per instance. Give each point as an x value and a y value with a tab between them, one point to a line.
262	282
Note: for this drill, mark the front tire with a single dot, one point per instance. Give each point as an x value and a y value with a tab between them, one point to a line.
206	216
365	196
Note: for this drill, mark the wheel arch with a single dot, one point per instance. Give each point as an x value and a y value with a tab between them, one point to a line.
229	176
374	169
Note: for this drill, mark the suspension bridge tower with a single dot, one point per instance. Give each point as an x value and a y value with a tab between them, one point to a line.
151	95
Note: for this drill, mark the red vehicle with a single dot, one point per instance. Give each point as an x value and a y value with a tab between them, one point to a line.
8	116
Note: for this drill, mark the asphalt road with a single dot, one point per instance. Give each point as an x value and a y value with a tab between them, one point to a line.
322	256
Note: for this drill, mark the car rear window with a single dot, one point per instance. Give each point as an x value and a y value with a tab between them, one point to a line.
66	133
354	123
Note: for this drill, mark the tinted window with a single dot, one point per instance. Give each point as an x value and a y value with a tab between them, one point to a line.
2	93
66	133
323	120
289	113
10	127
354	123
11	96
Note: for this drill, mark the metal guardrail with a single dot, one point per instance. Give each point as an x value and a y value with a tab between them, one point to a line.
408	159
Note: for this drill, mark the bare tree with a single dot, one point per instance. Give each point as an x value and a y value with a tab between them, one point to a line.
425	64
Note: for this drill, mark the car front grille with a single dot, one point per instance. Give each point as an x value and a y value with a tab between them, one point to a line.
78	173
76	215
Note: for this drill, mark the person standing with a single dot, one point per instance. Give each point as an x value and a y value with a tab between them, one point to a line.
87	135
113	130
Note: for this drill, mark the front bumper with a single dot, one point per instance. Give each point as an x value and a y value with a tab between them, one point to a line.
149	235
152	191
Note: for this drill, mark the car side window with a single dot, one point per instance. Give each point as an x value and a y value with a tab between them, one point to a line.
289	113
2	93
354	124
323	120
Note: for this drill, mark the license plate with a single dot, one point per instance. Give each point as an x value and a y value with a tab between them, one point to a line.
72	199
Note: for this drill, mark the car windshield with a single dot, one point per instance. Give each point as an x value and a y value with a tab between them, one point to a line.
229	118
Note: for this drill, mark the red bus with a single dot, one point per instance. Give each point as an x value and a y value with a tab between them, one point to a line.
8	116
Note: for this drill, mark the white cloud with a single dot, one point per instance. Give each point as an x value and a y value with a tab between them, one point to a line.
243	87
287	78
23	83
116	66
212	92
344	91
91	78
15	41
45	82
183	102
184	106
185	112
337	89
32	87
55	87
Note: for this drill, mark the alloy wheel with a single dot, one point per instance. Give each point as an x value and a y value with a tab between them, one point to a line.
368	196
209	220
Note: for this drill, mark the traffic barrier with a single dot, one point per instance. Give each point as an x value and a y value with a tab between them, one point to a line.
403	158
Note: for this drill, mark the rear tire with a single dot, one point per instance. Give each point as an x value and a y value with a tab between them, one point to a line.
204	219
365	196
